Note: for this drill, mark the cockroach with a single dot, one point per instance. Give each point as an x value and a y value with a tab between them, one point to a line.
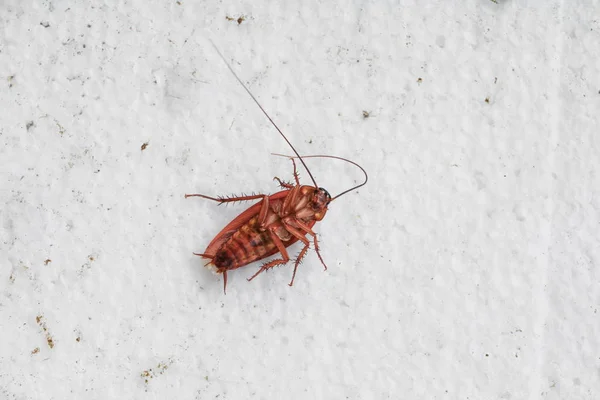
273	224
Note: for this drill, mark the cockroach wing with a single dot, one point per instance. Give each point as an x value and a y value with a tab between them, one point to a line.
238	222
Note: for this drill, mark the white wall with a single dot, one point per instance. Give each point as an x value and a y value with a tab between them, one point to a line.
467	268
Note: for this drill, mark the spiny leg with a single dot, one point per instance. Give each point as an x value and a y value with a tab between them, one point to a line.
298	261
283	184
262	215
296	178
280	261
307	229
300	236
318	252
268	265
288	185
222	200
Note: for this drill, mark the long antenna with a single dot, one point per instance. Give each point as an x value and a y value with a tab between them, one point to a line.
264	112
337	158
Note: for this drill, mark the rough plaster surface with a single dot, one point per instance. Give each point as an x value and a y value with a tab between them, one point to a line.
467	268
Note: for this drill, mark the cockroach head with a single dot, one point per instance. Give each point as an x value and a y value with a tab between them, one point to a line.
320	199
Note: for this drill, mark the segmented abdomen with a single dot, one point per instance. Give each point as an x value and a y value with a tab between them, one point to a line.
246	245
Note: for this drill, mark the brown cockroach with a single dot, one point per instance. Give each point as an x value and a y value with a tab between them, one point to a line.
273	224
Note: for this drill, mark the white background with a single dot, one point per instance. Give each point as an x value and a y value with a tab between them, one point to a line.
467	268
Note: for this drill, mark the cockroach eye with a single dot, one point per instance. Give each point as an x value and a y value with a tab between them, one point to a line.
326	193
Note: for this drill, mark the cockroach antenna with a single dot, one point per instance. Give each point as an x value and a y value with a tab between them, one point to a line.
337	158
264	112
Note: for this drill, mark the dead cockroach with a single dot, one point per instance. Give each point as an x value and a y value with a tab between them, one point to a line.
276	222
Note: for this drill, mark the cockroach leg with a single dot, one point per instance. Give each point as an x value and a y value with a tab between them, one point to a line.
280	261
297	233
290	201
302	225
318	252
309	231
298	261
264	209
283	184
296	176
289	185
222	200
269	265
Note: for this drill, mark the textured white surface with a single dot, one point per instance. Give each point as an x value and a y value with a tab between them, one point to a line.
466	269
